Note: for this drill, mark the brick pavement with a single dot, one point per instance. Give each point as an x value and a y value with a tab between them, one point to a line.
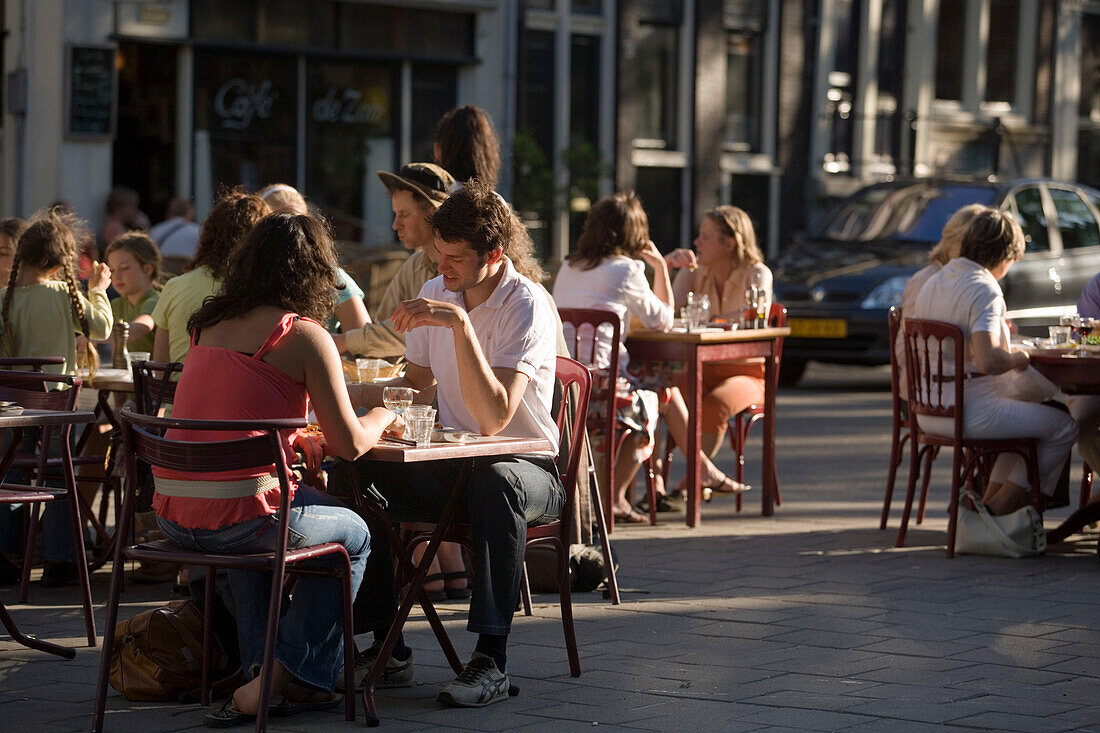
808	620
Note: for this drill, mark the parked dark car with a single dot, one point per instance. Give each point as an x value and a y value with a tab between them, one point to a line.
839	281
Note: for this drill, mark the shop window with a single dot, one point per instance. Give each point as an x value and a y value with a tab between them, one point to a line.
840	97
1088	109
296	22
412	32
533	190
743	90
144	155
750	192
656	64
891	59
540	4
659	189
434	91
1075	221
661	11
245	120
1000	53
350	110
233	21
587	7
950	45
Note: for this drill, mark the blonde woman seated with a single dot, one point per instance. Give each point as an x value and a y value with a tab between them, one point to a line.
945	250
725	265
965	293
607	272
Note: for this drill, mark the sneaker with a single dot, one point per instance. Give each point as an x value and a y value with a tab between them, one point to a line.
480	684
396	674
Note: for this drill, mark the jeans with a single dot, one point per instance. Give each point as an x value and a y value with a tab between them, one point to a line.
58	543
506	494
310	642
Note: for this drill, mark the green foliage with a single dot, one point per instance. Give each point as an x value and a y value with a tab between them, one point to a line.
534	191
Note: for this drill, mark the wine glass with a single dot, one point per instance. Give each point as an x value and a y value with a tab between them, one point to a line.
396	399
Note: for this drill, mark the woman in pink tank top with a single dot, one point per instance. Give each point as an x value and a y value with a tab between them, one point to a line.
258	352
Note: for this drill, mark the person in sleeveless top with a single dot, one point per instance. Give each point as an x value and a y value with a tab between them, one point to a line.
258	351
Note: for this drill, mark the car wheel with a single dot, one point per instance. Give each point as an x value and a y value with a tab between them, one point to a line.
790	371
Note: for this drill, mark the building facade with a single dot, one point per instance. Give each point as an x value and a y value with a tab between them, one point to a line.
778	106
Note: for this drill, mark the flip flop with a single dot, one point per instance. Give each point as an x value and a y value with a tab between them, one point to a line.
729	486
227	717
630	517
313	701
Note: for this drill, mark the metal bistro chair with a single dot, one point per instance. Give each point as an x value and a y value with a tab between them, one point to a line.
142	441
925	342
30	363
741	423
32	390
604	383
556	533
155	384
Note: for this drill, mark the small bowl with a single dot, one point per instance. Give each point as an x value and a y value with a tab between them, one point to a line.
456	436
11	410
6	403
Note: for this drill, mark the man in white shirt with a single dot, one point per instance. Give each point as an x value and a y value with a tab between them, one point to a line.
483	338
178	235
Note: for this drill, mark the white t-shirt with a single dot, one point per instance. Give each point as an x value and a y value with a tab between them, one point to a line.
617	284
516	330
176	237
965	294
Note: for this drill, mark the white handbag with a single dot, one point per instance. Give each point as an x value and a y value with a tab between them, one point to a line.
1018	534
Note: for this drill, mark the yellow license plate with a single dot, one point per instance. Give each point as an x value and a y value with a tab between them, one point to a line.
821	328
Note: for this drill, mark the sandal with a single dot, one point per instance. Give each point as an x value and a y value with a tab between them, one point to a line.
729	486
227	717
629	517
457	594
436	595
310	700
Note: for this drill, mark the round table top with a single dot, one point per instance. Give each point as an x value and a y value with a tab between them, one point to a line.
1073	370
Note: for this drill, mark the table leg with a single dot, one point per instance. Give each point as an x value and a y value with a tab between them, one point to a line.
78	529
414	591
771	481
694	400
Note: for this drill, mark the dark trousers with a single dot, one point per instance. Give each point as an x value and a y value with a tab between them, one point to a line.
506	494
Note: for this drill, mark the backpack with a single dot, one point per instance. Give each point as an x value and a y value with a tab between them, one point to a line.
157	654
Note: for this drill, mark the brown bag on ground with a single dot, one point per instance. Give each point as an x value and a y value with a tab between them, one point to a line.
157	654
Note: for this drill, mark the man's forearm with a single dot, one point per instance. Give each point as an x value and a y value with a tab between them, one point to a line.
485	397
377	340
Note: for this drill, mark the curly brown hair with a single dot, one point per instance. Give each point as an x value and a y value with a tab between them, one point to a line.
13	227
616	225
468	146
478	215
287	261
234	214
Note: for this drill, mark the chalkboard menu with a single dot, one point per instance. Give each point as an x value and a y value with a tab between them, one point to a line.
91	91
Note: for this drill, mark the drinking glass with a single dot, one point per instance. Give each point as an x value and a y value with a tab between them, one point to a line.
688	314
136	356
702	305
420	411
420	429
1059	336
397	399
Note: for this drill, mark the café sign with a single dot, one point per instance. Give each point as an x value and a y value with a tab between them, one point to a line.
237	102
348	106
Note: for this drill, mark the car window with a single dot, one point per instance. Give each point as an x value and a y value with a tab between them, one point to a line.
1075	221
1033	220
912	213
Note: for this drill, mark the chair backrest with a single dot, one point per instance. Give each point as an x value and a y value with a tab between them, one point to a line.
571	425
934	389
30	363
142	438
155	384
33	390
601	325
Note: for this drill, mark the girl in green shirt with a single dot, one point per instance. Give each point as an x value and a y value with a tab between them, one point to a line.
135	272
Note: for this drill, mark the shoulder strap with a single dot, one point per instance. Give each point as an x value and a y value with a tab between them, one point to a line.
996	530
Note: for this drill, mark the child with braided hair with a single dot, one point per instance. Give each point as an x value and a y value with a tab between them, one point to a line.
43	311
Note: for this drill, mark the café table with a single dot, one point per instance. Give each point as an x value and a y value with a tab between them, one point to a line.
704	346
398	452
42	419
1074	373
108	381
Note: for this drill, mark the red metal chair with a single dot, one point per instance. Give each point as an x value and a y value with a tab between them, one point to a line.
14	496
742	422
557	533
605	324
32	390
142	441
925	343
30	363
155	384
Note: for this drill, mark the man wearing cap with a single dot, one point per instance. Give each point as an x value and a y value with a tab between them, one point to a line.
415	193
